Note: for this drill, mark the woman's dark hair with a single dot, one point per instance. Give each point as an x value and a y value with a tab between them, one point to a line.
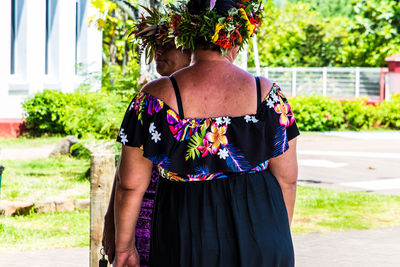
196	7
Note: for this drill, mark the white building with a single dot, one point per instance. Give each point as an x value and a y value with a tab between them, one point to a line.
43	43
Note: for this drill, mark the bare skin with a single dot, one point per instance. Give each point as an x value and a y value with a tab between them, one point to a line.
211	87
168	60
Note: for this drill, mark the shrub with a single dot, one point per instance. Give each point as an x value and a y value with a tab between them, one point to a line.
317	113
81	113
93	114
359	115
45	112
389	112
80	151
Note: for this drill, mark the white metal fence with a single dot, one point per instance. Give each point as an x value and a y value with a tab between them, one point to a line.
336	82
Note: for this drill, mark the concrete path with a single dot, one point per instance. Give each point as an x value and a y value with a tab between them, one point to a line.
66	257
375	248
351	161
372	248
26	153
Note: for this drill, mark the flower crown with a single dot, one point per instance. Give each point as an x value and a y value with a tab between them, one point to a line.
152	30
233	29
176	23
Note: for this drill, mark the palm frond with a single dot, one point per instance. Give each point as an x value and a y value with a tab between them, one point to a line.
195	141
280	141
161	160
202	169
236	160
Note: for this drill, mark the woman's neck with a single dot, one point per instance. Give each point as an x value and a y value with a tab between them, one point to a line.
205	55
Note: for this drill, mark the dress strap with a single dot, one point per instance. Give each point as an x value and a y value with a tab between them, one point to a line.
258	92
178	96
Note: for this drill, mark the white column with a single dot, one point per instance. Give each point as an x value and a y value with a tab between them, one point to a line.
35	39
90	46
5	48
66	44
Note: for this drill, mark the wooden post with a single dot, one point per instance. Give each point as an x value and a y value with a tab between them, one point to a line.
102	171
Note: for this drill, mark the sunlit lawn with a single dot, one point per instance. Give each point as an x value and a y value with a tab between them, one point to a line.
324	210
39	179
45	230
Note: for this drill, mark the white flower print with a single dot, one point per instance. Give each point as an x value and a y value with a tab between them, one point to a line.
275	97
253	119
227	120
152	127
131	106
124	137
223	153
249	118
219	121
270	103
156	136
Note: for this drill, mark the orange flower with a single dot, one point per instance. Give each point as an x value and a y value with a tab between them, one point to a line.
217	137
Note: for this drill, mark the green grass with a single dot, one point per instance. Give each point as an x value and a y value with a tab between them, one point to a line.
38	179
22	142
317	210
40	231
325	210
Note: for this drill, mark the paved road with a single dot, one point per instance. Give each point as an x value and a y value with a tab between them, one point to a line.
351	161
372	248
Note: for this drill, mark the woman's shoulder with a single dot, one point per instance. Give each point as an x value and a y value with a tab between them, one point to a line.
160	88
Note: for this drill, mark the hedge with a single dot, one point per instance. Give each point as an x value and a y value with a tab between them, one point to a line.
99	115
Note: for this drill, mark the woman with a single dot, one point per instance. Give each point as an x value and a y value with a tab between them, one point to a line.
225	144
168	59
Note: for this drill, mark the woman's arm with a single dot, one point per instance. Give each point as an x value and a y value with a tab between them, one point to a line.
133	177
108	241
285	169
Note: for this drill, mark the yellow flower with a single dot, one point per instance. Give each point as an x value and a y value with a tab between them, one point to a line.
217	137
250	27
218	27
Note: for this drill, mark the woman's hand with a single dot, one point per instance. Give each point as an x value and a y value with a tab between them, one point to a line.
127	258
108	241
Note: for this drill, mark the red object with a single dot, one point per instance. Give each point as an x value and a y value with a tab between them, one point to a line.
393	63
11	128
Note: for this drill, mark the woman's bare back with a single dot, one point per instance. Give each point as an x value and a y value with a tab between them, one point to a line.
211	89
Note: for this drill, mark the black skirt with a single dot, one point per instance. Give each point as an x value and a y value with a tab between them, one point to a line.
236	221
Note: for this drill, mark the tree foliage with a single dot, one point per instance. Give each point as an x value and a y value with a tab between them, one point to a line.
330	8
319	33
374	34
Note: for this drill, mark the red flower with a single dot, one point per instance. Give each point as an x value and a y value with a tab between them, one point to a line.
175	22
223	40
236	37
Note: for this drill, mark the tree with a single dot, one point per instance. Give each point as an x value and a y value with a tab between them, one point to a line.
330	8
374	34
298	35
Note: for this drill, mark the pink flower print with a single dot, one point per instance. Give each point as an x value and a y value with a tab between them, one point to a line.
205	149
283	109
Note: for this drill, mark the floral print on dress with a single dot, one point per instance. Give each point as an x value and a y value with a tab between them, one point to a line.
123	136
277	100
207	149
181	129
217	137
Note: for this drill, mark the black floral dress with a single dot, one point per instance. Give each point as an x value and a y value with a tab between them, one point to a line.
217	203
